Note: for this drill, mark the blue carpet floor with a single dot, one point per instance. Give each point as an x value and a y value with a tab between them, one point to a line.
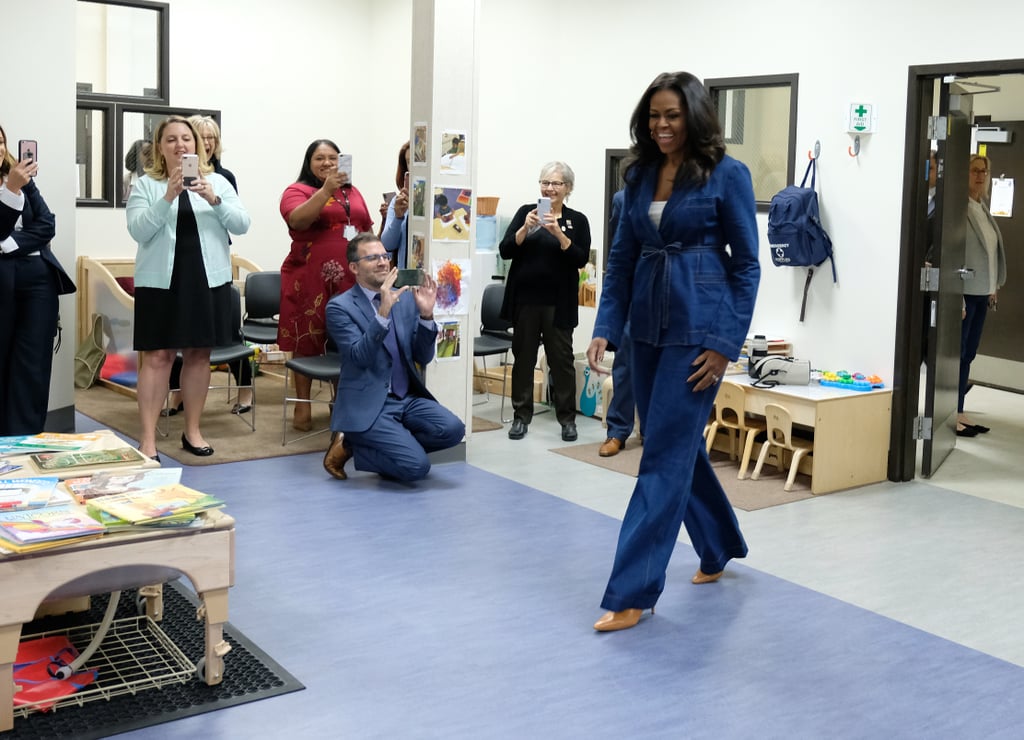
463	609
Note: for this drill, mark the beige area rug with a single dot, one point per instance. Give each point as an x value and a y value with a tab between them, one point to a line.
749	495
484	425
229	436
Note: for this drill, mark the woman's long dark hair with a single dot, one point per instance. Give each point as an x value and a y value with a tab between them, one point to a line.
306	176
705	146
9	159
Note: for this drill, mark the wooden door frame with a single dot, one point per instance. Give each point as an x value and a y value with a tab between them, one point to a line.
906	368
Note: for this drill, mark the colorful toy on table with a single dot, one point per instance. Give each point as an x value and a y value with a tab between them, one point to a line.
851	381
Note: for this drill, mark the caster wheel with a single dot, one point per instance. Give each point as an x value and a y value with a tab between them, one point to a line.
201	669
140	605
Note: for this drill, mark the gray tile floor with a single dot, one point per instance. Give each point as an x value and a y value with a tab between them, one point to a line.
942	555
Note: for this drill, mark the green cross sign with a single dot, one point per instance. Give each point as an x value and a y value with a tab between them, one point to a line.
860	110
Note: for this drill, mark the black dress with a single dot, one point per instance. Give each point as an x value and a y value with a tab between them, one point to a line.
189	314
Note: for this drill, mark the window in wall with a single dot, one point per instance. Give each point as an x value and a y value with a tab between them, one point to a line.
758	118
121	58
122	50
94	138
136	125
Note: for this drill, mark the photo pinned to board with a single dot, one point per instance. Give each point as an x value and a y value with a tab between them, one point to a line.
419	197
453	152
419	143
452	207
449	340
453	294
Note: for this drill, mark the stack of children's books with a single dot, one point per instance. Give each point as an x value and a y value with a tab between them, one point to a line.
173	505
29	530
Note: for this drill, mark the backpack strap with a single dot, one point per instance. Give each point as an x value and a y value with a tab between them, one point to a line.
807	286
812	170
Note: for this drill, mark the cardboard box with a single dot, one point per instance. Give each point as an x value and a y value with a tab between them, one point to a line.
490	381
589	386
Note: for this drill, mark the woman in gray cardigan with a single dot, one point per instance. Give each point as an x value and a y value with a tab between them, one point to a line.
984	255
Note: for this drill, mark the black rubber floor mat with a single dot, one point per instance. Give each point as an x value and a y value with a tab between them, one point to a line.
249	675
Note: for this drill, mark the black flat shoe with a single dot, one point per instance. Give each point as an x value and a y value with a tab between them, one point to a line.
569	433
173	411
241	408
197	451
978	428
151	457
518	429
967	432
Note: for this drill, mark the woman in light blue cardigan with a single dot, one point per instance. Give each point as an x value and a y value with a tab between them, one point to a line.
182	277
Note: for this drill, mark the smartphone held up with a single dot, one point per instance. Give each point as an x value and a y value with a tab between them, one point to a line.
189	169
543	208
28	150
413	277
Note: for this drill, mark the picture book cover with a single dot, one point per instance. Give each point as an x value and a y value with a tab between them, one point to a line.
48	441
110	482
46	524
17	494
46	461
145	506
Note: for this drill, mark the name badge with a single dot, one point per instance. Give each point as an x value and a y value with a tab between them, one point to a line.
350	232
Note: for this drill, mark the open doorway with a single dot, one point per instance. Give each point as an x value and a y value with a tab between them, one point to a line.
989	94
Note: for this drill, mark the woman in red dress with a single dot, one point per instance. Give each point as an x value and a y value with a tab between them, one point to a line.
323	211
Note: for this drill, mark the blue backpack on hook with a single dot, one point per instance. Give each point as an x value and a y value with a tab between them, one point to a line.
795	234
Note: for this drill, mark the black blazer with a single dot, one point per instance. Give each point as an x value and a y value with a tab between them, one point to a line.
37	231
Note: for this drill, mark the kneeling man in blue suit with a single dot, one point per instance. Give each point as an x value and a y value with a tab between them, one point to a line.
389	419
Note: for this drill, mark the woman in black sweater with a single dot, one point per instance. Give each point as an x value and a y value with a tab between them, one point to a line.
541	296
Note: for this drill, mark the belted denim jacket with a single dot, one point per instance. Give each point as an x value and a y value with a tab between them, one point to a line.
692	281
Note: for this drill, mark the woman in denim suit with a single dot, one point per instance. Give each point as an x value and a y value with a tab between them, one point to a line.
683	269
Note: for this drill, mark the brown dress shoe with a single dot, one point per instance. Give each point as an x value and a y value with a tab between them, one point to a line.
336	456
611	447
702	577
614	621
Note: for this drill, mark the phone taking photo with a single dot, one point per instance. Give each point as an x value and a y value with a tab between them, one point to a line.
28	149
543	208
189	169
412	277
345	165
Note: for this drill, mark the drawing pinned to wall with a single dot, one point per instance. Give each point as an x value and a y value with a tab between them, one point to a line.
453	292
453	148
419	143
449	344
451	214
419	196
419	249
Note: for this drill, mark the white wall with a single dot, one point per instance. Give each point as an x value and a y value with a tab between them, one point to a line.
559	81
282	76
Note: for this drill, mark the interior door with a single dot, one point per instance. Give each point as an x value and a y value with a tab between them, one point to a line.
948	237
1002	336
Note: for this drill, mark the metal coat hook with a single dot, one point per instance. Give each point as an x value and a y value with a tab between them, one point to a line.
855	149
817	151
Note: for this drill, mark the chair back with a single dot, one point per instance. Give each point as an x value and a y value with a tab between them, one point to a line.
236	316
490	312
780	425
262	294
731	406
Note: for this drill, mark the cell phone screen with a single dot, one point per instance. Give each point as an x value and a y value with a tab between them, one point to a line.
409	277
28	149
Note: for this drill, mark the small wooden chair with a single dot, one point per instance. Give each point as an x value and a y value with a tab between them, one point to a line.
780	439
711	428
731	415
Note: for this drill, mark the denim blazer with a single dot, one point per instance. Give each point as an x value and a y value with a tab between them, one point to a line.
692	281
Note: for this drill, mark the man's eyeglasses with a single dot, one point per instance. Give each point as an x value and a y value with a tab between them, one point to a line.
551	183
381	257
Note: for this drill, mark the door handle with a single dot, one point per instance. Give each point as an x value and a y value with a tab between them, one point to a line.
965	273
